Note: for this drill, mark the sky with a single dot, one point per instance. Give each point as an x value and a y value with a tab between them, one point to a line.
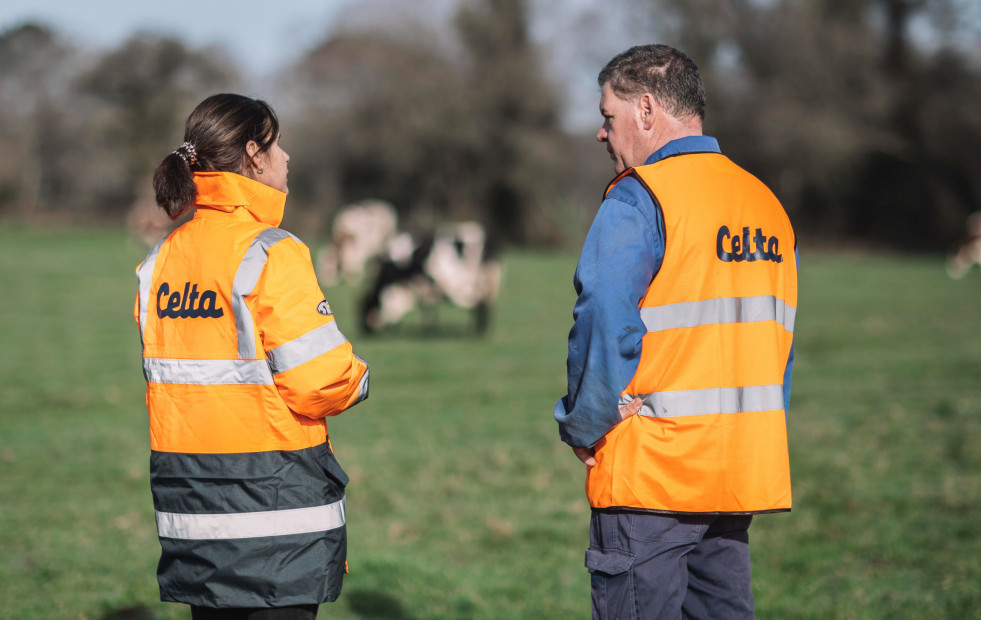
260	35
263	37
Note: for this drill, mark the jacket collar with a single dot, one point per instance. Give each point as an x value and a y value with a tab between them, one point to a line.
241	196
688	144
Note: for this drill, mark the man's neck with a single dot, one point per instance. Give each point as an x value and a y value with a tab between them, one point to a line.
673	129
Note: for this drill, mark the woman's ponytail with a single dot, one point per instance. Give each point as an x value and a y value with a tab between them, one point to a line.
173	181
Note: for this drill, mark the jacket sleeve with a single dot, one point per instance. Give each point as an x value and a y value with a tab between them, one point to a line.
620	256
788	372
314	365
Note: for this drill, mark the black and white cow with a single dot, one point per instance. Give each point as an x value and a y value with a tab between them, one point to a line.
453	263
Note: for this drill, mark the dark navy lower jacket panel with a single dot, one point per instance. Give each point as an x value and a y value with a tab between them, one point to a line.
274	571
248	482
265	571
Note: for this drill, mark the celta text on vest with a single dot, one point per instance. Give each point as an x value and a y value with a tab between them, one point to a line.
767	248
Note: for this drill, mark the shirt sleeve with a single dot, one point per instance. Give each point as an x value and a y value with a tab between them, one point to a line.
622	253
314	365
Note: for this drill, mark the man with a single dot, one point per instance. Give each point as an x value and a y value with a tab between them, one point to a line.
680	355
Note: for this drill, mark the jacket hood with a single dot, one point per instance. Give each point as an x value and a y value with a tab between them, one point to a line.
234	193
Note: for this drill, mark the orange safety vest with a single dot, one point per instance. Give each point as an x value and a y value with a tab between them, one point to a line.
711	435
243	359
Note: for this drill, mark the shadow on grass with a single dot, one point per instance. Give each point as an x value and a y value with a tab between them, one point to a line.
137	612
376	604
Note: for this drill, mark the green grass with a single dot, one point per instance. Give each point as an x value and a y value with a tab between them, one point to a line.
463	503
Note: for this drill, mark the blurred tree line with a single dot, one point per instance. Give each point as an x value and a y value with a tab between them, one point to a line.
862	116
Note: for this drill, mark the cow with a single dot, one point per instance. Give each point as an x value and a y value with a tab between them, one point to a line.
454	263
969	252
148	223
359	233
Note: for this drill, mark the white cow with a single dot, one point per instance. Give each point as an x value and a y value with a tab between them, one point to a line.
148	222
359	233
969	253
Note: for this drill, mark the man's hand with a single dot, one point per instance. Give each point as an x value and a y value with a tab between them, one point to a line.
586	454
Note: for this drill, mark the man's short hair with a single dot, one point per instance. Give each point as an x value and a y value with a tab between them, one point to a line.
668	74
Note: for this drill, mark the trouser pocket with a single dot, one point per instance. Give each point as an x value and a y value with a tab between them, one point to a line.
611	583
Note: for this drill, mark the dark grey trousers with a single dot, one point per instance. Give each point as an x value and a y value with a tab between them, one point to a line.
668	567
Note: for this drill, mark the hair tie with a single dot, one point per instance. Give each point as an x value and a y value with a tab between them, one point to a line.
187	153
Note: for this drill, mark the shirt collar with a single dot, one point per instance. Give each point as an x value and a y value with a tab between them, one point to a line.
233	193
688	144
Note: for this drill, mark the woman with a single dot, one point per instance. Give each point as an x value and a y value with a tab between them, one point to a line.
243	359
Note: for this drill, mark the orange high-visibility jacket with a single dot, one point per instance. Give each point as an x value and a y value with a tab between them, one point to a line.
711	436
243	359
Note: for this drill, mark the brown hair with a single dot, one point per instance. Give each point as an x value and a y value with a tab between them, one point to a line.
215	136
668	74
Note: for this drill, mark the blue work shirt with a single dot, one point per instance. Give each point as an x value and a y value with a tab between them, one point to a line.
622	253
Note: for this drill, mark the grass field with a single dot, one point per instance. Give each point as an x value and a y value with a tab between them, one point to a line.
462	502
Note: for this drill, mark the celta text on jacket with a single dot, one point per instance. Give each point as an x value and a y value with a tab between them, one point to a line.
190	305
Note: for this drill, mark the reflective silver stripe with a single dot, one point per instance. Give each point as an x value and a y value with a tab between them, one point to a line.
144	276
720	310
251	524
363	384
682	403
303	349
244	283
207	372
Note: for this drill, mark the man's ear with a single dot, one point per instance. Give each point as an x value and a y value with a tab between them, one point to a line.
647	108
